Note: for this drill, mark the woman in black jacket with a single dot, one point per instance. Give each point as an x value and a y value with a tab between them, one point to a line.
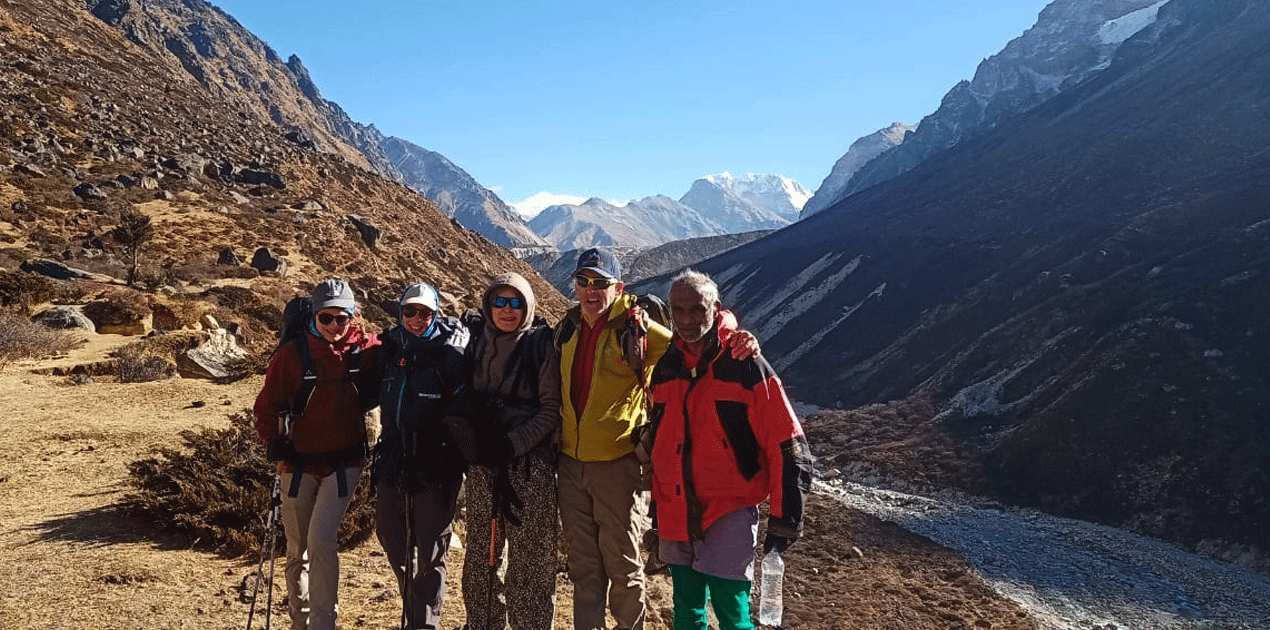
418	467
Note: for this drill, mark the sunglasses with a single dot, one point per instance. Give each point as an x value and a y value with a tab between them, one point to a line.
513	302
415	311
326	318
599	283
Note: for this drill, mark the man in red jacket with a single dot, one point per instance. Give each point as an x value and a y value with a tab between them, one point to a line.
725	440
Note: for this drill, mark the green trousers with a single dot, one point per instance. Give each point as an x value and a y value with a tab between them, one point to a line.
730	599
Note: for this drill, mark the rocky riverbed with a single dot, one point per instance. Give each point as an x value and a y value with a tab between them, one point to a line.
1074	575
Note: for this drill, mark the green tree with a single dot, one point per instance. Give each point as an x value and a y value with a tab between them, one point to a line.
133	232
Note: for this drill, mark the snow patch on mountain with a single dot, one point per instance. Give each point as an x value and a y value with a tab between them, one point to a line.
1122	28
788	358
807	299
529	208
764	313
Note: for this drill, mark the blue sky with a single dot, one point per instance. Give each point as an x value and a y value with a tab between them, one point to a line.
622	100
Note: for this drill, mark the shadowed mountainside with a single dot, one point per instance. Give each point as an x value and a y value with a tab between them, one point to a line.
1078	296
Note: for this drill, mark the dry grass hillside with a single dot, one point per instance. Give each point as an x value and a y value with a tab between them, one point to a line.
71	557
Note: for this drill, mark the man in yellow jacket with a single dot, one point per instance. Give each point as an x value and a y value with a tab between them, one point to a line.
603	505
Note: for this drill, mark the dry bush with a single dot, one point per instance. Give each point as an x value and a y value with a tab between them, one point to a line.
23	290
118	307
216	490
24	339
152	358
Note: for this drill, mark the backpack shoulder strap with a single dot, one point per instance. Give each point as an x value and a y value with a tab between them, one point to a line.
308	376
564	331
308	380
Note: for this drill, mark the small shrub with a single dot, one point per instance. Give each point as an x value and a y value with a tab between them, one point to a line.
24	339
117	308
216	490
22	289
137	363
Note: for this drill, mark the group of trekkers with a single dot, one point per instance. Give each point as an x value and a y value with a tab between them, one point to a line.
576	426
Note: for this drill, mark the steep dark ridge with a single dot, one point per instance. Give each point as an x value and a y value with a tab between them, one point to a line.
458	195
1060	51
85	108
1081	292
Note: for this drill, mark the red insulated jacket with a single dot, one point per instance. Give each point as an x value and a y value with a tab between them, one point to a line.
333	420
725	438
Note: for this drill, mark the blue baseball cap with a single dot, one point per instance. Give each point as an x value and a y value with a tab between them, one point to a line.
601	261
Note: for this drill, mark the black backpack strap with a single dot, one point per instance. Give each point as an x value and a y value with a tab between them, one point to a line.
308	380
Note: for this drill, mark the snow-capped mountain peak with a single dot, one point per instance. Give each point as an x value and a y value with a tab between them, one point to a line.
529	208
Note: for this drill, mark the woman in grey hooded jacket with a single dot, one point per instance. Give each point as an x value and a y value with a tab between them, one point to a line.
511	488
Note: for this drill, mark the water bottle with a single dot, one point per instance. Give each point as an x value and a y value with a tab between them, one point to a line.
770	605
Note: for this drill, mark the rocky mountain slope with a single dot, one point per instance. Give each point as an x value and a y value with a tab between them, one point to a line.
1066	311
458	195
1072	39
237	68
858	154
95	125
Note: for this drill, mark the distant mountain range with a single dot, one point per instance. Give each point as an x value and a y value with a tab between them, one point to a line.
714	205
1068	265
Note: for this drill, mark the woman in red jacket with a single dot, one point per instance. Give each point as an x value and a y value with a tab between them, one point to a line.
317	434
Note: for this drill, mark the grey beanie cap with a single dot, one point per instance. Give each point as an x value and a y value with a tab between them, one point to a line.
333	293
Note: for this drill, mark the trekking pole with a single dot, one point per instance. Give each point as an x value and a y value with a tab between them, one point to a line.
269	543
493	537
410	559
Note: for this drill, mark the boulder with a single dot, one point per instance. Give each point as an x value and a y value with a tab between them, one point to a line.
88	191
265	260
64	317
29	169
211	359
135	328
228	257
369	231
251	176
53	269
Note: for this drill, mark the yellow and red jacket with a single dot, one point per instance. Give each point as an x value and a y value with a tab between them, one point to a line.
725	438
615	404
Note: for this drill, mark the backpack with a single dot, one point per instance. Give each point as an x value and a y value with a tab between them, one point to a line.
295	319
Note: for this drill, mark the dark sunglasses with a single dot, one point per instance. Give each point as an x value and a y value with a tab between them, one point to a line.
513	302
326	318
599	283
415	311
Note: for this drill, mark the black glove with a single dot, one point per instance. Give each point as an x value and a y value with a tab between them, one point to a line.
495	453
776	543
506	501
279	449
